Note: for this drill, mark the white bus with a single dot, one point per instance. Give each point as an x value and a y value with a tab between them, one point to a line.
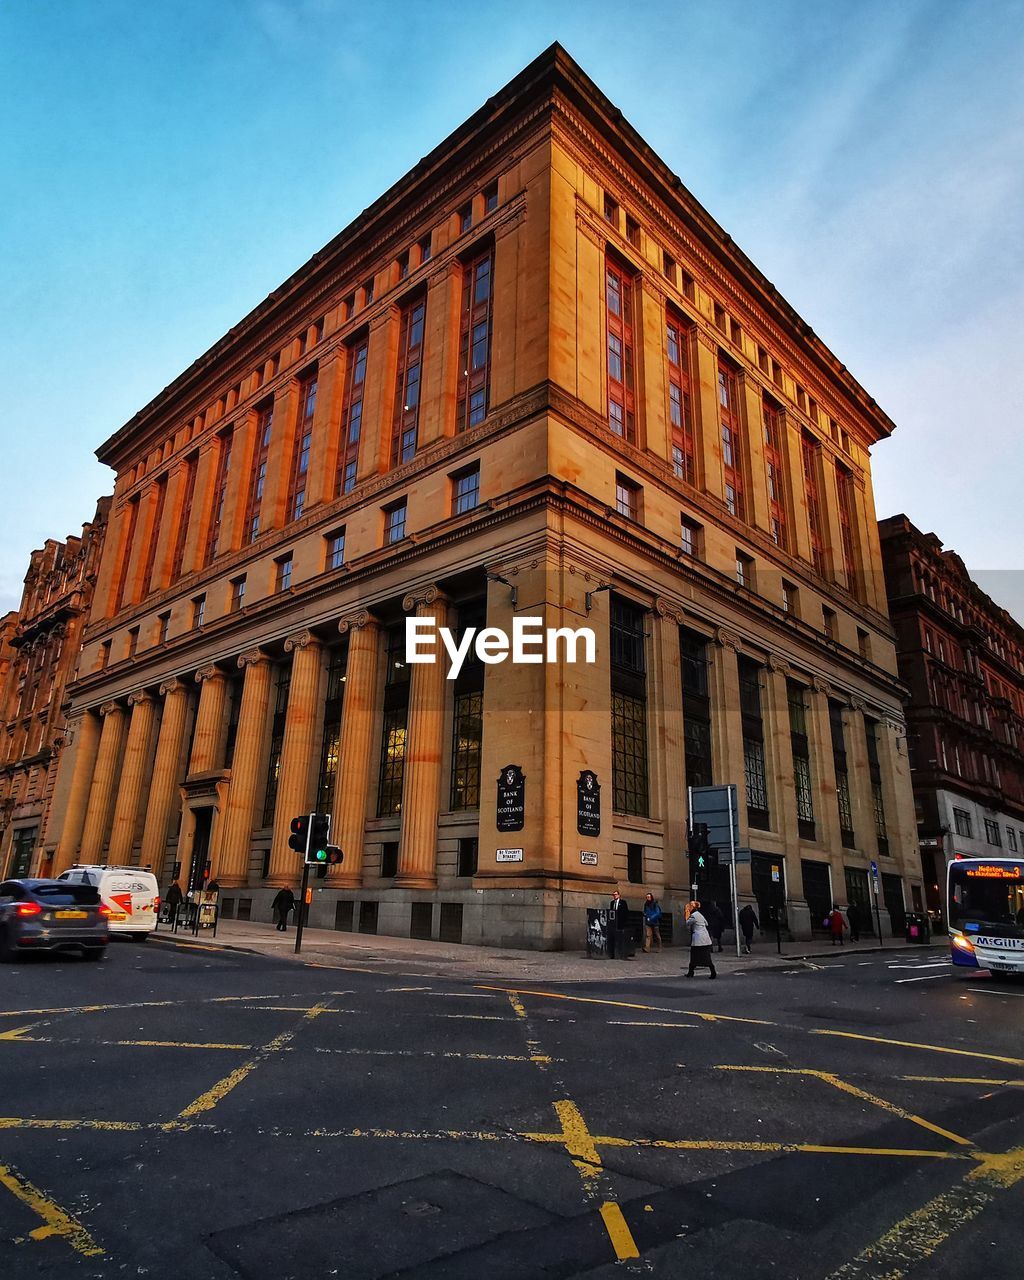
985	913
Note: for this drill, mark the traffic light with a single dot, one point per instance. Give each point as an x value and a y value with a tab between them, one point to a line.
299	838
334	856
319	839
702	856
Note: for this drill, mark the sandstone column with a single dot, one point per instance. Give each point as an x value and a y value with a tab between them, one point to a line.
104	781
238	817
417	854
206	741
293	789
133	778
87	740
823	772
355	747
727	724
163	786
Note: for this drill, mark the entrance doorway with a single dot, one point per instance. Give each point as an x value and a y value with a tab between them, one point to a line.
858	894
817	891
200	849
768	881
892	896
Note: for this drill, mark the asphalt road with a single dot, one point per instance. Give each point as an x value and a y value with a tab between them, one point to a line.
216	1115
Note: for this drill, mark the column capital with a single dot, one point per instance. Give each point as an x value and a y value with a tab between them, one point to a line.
428	596
510	218
174	685
385	317
727	639
138	697
210	672
706	340
254	658
820	685
857	703
668	609
586	228
357	622
779	664
302	640
109	708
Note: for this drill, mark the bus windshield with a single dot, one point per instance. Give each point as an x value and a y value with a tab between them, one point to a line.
987	896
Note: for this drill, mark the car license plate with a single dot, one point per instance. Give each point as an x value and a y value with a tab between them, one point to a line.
117	915
1001	968
72	915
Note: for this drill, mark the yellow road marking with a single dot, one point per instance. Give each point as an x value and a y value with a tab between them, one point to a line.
134	1004
913	1044
18	1033
845	1087
623	1004
916	1237
56	1221
618	1231
441	1053
121	1044
652	1024
536	1053
577	1140
208	1100
1002	1084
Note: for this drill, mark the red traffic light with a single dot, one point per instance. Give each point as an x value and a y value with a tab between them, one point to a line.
299	838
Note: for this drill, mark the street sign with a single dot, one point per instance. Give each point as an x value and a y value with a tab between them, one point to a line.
743	856
508	855
587	858
874	869
713	806
511	813
588	804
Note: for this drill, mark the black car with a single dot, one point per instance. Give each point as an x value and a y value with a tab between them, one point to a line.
52	915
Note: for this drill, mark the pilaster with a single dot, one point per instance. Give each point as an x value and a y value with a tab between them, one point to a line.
355	747
757	480
163	786
440	377
704	360
323	455
240	810
294	785
132	779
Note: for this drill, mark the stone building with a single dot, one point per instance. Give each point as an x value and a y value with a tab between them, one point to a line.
962	656
40	646
535	379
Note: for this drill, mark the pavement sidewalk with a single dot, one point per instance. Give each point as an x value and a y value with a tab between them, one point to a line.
413	957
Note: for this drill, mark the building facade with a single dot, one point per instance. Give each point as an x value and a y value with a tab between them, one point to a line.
962	657
534	380
41	645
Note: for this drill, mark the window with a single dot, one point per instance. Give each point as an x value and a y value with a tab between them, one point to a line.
773	460
796	696
745	570
466	490
790	599
619	308
1011	839
689	286
693	652
838	729
283	573
331	724
351	419
393	731
198	612
349	306
828	622
425	249
394	523
469	852
466	216
992	833
611	210
467	718
407	388
133	641
635	863
962	823
276	744
318	331
720	317
475	341
237	594
863	644
104	659
491	196
691	537
159	500
633	231
403	265
680	412
368	292
629	708
811	451
754	772
628	498
300	451
736	334
335	543
220	493
184	516
844	487
732	467
668	266
875	774
264	428
163	626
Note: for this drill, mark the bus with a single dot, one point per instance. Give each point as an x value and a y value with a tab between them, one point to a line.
985	913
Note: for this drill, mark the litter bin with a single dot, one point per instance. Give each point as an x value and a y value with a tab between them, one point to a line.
918	928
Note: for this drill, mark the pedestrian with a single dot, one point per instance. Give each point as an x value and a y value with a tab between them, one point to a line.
618	927
715	917
835	924
173	900
282	904
853	915
748	923
652	922
700	940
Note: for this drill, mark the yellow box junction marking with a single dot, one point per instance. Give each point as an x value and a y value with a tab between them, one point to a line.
623	1004
914	1044
56	1221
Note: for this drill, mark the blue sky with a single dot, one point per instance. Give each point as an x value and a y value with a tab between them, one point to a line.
167	164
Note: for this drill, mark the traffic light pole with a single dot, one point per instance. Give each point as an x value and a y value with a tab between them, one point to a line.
732	881
302	907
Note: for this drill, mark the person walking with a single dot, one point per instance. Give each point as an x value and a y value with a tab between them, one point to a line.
652	922
853	916
282	904
715	917
836	924
700	940
618	927
748	923
173	900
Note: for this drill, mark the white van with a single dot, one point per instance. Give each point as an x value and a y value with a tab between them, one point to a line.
131	894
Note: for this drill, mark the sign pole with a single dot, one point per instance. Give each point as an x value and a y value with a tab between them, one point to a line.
874	886
302	906
732	877
689	829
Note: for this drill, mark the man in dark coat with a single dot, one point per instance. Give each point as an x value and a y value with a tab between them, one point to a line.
715	917
853	915
748	923
173	900
282	904
618	926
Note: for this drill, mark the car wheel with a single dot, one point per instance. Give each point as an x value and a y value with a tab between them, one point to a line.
140	937
94	953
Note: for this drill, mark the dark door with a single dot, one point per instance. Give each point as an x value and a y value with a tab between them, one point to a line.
857	891
24	844
892	896
817	891
768	880
200	849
